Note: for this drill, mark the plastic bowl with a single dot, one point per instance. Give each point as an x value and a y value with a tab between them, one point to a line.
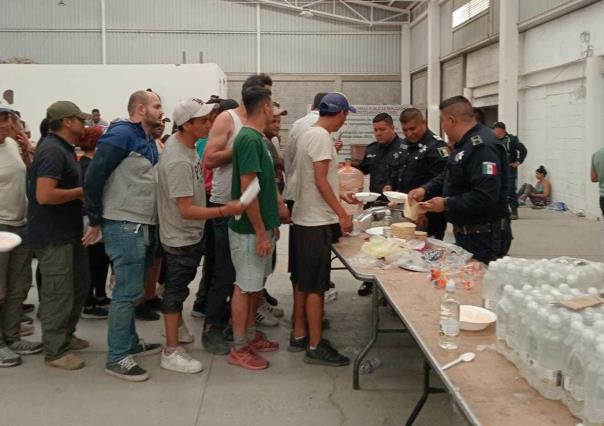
396	197
475	318
366	197
8	241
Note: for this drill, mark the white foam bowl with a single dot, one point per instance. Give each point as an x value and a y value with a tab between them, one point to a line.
396	197
8	241
366	197
475	318
378	230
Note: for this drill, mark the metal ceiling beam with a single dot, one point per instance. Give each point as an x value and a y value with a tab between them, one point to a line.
362	20
380	6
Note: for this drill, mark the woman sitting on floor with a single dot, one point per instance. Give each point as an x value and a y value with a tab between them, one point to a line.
538	194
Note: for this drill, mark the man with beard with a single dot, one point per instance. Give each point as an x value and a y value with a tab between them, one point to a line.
121	198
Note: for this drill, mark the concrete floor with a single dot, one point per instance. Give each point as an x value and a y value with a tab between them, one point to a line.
289	392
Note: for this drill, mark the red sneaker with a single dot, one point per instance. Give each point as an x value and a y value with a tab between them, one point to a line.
247	358
262	344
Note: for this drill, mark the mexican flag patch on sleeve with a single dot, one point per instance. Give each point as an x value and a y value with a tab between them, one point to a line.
489	168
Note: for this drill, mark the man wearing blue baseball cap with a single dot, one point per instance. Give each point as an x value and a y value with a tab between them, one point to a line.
318	220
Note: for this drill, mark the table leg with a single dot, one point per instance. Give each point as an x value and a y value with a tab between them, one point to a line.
426	391
375	320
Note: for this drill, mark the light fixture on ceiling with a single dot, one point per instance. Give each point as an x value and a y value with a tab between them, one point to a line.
306	13
61	3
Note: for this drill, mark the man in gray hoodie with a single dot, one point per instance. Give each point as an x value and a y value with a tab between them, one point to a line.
120	190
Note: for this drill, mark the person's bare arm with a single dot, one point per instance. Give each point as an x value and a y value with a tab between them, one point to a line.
594	175
216	153
321	169
47	192
263	244
189	211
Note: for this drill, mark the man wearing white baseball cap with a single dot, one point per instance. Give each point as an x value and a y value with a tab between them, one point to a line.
182	214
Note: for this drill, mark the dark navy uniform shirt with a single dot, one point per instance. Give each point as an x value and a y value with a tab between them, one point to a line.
378	162
474	181
419	162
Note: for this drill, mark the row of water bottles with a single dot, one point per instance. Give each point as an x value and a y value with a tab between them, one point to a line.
558	351
578	274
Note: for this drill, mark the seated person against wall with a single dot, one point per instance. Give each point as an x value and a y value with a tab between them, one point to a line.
538	194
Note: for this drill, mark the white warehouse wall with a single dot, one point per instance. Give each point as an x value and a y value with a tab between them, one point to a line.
553	108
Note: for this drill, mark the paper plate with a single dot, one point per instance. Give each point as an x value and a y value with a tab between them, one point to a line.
396	197
9	241
366	197
409	265
475	318
378	230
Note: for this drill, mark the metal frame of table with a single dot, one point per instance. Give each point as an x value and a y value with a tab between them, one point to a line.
430	363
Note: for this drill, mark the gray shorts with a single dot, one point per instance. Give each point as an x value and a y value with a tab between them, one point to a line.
250	269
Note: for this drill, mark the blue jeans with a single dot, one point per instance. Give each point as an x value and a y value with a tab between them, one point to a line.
131	249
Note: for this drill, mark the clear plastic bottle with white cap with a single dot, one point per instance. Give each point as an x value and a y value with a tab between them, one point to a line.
593	411
449	318
504	310
576	370
571	344
550	358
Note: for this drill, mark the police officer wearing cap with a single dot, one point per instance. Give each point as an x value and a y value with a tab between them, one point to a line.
382	155
422	156
516	152
472	189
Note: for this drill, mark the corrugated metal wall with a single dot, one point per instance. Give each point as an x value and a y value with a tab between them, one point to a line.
419	45
154	31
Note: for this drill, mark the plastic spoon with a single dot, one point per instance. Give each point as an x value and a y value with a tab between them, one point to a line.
467	357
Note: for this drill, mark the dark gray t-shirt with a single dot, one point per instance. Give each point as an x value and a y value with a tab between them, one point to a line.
180	175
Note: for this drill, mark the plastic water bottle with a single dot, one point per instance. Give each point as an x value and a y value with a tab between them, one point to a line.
503	317
571	342
489	285
593	412
577	366
528	342
551	359
368	366
449	318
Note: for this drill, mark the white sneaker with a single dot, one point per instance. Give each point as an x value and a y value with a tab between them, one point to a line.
277	312
264	317
331	295
180	361
184	335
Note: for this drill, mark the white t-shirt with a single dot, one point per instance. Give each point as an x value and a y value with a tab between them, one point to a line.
223	175
310	208
299	127
13	207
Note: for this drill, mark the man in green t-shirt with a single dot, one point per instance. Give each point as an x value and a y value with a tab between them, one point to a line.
252	236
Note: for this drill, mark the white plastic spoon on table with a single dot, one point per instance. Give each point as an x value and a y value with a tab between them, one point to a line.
467	357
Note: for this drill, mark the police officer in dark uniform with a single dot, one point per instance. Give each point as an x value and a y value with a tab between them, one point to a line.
423	156
472	189
516	152
382	155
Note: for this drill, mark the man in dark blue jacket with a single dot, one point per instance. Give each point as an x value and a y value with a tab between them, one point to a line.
120	190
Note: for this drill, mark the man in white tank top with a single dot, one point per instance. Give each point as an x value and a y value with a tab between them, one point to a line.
218	156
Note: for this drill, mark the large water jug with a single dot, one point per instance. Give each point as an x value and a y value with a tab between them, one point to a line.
351	179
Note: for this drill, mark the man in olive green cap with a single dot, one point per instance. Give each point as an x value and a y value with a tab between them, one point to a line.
54	224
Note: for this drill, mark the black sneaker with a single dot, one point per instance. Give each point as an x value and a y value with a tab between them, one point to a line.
126	369
154	304
197	311
332	284
144	313
94	312
228	333
297	345
144	349
214	341
28	307
270	299
325	354
365	289
103	302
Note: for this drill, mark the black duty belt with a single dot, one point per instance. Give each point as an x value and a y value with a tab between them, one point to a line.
481	228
